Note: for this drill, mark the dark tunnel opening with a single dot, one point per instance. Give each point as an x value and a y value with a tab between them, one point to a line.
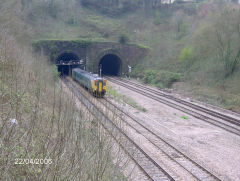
62	62
111	65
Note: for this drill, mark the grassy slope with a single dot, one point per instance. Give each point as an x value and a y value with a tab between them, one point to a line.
158	30
38	120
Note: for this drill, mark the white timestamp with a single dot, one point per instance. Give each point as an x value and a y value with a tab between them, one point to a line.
36	161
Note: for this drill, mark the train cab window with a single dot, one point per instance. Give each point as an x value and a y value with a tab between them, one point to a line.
104	83
96	83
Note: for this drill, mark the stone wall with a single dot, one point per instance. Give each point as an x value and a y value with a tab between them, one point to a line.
91	51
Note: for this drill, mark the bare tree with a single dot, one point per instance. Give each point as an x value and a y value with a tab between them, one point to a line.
227	39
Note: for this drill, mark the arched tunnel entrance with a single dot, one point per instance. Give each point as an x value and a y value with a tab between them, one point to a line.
111	65
64	60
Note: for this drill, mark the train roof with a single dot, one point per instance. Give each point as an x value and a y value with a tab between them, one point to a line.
87	74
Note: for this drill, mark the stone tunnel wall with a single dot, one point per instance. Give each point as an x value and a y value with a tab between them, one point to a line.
129	54
92	52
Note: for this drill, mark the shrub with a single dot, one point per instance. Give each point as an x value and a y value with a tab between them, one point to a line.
186	54
166	79
186	57
149	76
39	119
55	72
123	39
160	78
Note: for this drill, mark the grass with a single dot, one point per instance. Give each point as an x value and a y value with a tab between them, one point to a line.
134	104
214	96
113	93
119	97
184	117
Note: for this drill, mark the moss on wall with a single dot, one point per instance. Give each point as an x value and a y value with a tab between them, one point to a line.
91	49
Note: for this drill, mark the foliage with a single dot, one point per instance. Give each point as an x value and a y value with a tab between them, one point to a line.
134	104
186	57
119	97
160	78
112	8
123	39
183	29
186	54
120	7
55	72
42	8
227	33
52	43
184	117
39	120
180	25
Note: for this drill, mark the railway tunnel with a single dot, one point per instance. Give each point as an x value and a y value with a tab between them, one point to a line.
63	60
111	65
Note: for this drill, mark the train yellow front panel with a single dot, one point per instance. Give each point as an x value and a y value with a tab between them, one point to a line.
100	86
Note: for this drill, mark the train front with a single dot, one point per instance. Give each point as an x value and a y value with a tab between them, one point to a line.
100	87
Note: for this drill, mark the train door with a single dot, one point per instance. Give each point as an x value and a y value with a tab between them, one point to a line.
100	85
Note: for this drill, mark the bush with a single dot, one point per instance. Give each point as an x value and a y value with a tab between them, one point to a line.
160	78
123	39
137	72
149	76
39	119
186	56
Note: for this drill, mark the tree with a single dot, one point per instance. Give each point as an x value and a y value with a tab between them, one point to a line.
227	33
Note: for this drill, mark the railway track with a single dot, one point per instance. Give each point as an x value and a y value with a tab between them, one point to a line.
203	109
152	170
225	122
178	159
165	150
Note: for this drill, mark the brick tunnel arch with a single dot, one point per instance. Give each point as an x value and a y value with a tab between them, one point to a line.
65	57
111	64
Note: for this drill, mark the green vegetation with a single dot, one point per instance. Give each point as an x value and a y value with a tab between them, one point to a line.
199	41
184	117
43	135
39	121
123	39
134	104
186	54
186	57
160	78
114	93
111	8
119	97
52	43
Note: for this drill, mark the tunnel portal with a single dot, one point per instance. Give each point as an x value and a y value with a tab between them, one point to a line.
63	60
111	65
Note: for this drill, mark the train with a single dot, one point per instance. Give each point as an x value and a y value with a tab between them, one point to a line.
95	84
